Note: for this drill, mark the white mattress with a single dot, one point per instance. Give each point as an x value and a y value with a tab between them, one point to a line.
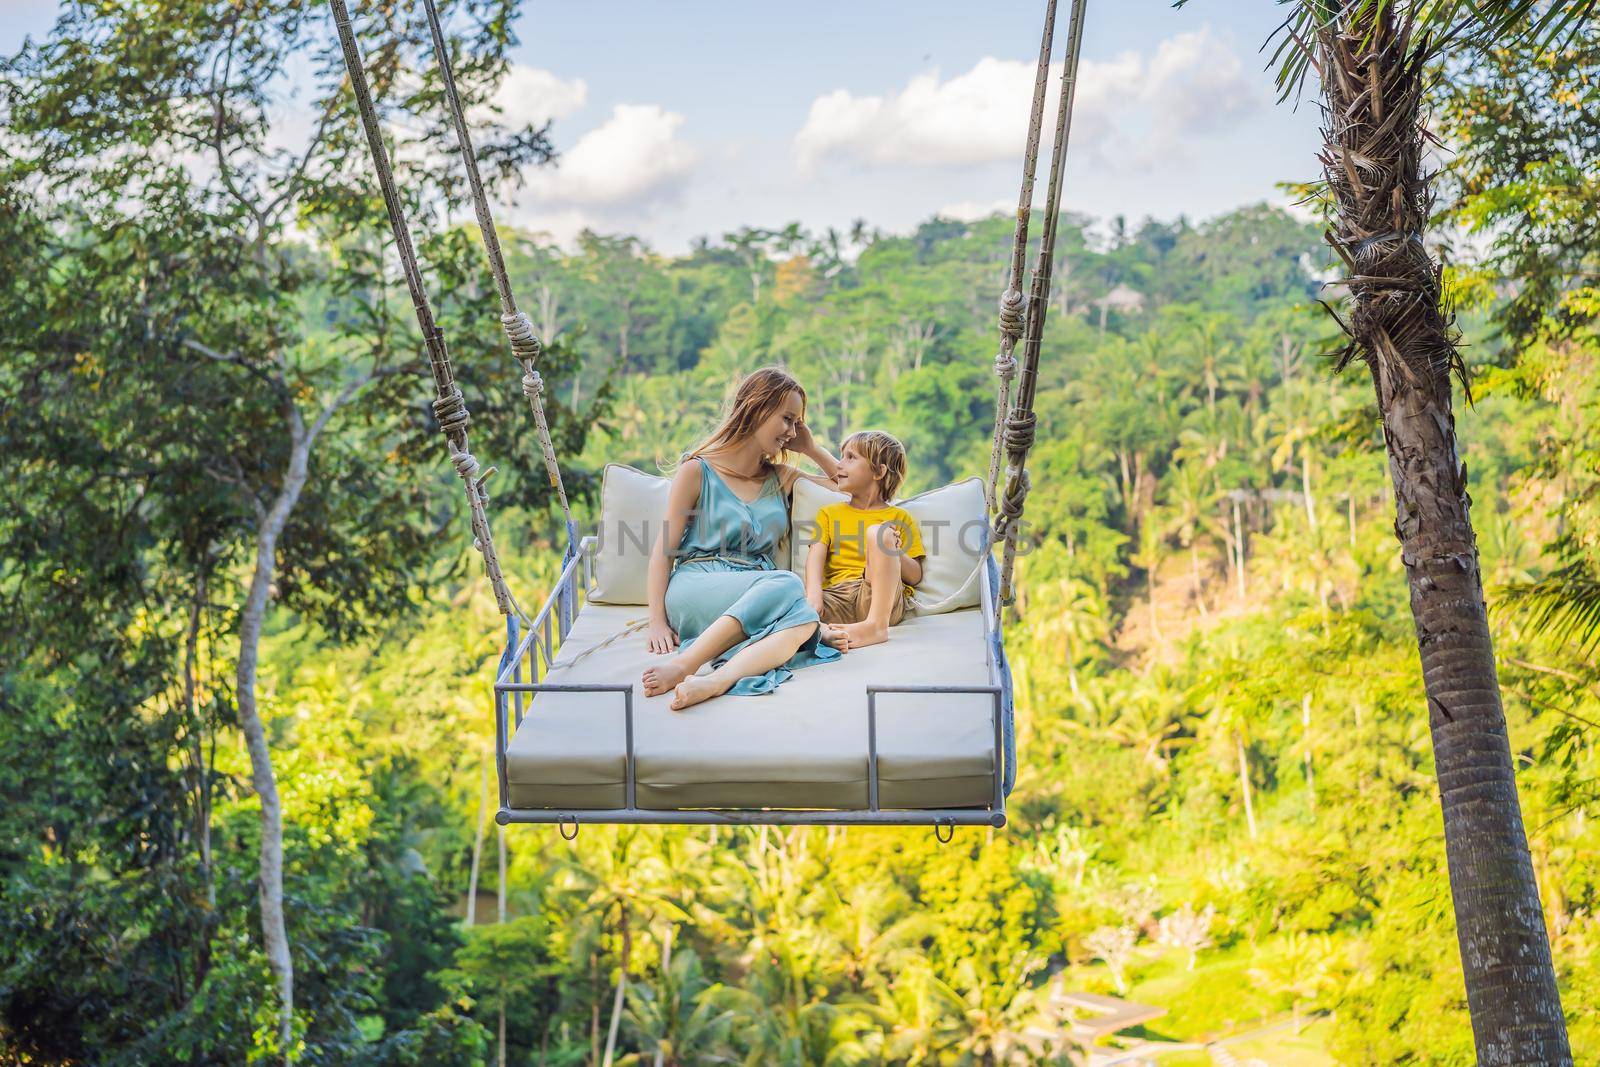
803	746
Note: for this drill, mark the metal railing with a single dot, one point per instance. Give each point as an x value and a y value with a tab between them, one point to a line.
535	651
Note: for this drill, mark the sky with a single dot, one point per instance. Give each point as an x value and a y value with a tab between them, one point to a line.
685	118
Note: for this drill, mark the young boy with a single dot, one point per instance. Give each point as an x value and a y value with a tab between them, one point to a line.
868	553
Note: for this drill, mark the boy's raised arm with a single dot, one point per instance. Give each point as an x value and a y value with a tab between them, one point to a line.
809	447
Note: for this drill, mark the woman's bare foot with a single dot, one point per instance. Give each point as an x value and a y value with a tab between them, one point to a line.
865	633
664	676
835	637
695	688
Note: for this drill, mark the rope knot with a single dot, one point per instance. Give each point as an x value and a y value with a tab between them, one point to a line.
1005	365
532	383
1013	310
1011	504
451	411
1019	431
465	462
525	344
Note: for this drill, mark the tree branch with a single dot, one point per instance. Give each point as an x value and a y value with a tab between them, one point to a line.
348	393
276	380
297	173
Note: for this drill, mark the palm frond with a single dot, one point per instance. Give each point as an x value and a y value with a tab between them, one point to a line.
1434	27
1564	603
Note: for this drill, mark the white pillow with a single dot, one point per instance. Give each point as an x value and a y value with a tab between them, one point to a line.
633	509
633	505
953	521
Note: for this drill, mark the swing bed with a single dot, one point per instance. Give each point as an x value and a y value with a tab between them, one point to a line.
916	731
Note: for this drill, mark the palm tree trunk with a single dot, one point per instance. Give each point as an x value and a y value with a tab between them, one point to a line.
1372	81
1305	483
1238	537
1305	726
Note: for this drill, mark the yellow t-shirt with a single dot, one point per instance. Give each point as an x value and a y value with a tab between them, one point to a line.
844	530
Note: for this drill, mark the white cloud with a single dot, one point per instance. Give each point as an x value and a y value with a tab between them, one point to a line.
560	227
1192	85
530	96
1198	85
633	158
973	210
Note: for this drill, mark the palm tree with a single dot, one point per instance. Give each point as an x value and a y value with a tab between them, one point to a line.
873	936
1372	59
623	887
682	1016
1152	551
1191	493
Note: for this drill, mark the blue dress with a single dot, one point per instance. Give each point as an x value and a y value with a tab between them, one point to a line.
724	567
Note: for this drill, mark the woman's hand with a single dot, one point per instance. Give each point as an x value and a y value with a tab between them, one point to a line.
661	639
803	442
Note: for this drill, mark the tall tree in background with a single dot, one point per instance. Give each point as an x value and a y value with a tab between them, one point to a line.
1373	58
1524	120
165	350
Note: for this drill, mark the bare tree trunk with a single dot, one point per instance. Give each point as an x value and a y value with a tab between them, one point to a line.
1373	80
1244	784
1150	600
197	757
549	308
1305	482
500	917
666	971
274	934
1199	589
622	986
1127	484
477	847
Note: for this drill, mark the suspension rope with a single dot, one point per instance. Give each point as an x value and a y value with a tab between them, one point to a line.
1013	305
525	346
448	406
1020	421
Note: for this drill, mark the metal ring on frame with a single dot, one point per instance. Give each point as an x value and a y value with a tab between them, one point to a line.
944	825
562	822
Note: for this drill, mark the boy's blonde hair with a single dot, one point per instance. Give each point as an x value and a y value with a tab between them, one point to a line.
881	450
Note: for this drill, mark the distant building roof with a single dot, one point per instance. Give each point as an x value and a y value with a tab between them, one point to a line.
1122	298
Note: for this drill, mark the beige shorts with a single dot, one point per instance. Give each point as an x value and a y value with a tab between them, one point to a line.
851	601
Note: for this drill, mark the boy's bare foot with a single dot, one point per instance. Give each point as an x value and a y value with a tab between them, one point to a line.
695	688
662	677
835	637
865	633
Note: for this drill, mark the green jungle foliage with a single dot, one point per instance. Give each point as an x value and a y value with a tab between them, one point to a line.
1225	807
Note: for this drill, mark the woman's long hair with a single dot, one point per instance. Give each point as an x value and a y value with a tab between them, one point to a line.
760	394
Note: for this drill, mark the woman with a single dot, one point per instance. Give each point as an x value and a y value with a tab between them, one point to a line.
713	583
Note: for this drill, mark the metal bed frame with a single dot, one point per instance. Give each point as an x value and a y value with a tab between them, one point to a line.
531	655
